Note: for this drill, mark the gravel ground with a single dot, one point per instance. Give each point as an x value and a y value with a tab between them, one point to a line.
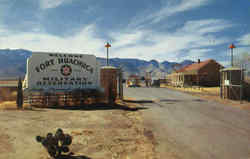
100	132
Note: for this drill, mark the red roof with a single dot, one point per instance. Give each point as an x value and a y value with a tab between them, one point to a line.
195	66
182	69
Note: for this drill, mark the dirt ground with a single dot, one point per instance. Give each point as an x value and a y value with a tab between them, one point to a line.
99	132
212	93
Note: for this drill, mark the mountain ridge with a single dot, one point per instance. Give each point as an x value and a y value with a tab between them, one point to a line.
13	64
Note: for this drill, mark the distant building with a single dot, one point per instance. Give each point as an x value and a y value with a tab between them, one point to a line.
133	80
202	73
148	79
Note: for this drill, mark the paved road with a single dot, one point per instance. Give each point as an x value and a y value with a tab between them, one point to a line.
190	127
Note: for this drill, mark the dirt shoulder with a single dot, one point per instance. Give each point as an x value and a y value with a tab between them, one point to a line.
212	94
99	132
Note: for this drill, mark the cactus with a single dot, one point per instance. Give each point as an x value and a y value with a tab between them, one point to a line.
56	144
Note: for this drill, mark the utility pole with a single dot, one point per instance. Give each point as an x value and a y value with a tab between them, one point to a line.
107	46
232	47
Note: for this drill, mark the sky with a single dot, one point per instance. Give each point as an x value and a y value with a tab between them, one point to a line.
172	30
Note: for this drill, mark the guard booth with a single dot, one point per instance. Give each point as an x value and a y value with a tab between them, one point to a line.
111	81
231	83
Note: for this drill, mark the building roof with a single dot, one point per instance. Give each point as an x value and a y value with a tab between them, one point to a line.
195	66
182	69
232	69
108	67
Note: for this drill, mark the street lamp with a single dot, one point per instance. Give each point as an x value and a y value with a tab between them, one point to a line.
232	47
107	46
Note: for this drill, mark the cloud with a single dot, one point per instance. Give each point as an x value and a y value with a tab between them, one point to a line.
205	30
206	26
83	42
46	4
184	5
197	53
194	39
123	40
188	42
162	47
245	39
167	10
3	30
225	63
71	29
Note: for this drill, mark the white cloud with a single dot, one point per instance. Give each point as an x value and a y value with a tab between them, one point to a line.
144	44
84	42
46	4
197	53
122	40
189	40
2	29
206	26
245	39
184	5
166	45
167	10
226	63
240	54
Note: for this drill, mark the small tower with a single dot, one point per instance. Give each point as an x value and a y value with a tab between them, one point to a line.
232	83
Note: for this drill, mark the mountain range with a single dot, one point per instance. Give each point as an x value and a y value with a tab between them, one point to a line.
13	64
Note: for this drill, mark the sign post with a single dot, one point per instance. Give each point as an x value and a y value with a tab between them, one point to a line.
19	100
107	46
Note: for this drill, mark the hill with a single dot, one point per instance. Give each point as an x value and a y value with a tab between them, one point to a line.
13	64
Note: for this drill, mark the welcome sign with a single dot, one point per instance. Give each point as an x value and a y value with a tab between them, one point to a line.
62	71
